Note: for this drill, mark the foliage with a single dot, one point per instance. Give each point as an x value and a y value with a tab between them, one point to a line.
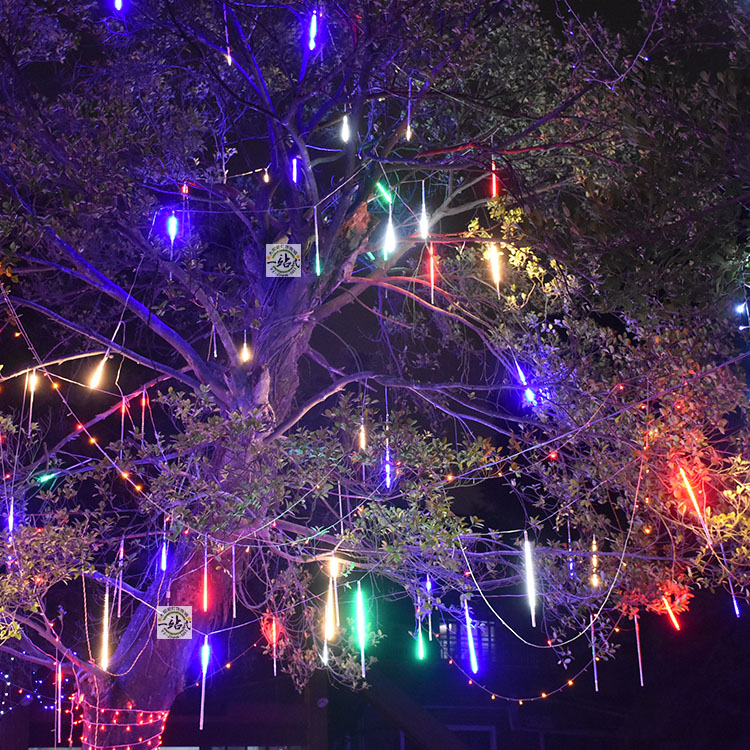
605	364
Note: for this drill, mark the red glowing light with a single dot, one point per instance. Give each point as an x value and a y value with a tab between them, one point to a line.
272	629
552	455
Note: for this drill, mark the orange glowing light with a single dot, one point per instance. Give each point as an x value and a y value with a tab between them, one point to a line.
671	613
690	493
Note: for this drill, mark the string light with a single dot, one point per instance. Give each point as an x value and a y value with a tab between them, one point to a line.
172	226
105	631
428	587
389	242
361	626
205	656
362	436
420	641
431	258
384	192
694	501
595	580
408	114
593	656
638	647
32	381
493	170
118	5
205	576
494	258
530	582
424	224
345	133
313	30
266	176
228	55
470	638
96	377
120	572
294	170
245	353
671	613
317	241
529	394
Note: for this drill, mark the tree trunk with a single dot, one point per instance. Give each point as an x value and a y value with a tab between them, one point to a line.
127	709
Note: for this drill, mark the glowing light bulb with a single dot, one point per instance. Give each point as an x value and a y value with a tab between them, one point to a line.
172	225
494	257
266	176
388	466
345	133
530	582
205	655
163	563
529	395
671	613
118	5
330	618
361	626
32	381
105	631
245	353
424	223
384	192
470	639
313	29
389	242
595	580
420	643
96	377
294	170
362	437
739	309
205	578
228	56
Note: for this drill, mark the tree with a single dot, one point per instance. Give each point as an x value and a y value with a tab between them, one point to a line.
251	428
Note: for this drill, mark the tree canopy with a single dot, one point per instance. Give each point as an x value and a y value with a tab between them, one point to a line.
520	233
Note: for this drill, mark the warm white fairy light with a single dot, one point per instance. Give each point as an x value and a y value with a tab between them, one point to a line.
32	381
362	436
595	579
530	582
96	378
266	176
345	131
245	353
494	257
